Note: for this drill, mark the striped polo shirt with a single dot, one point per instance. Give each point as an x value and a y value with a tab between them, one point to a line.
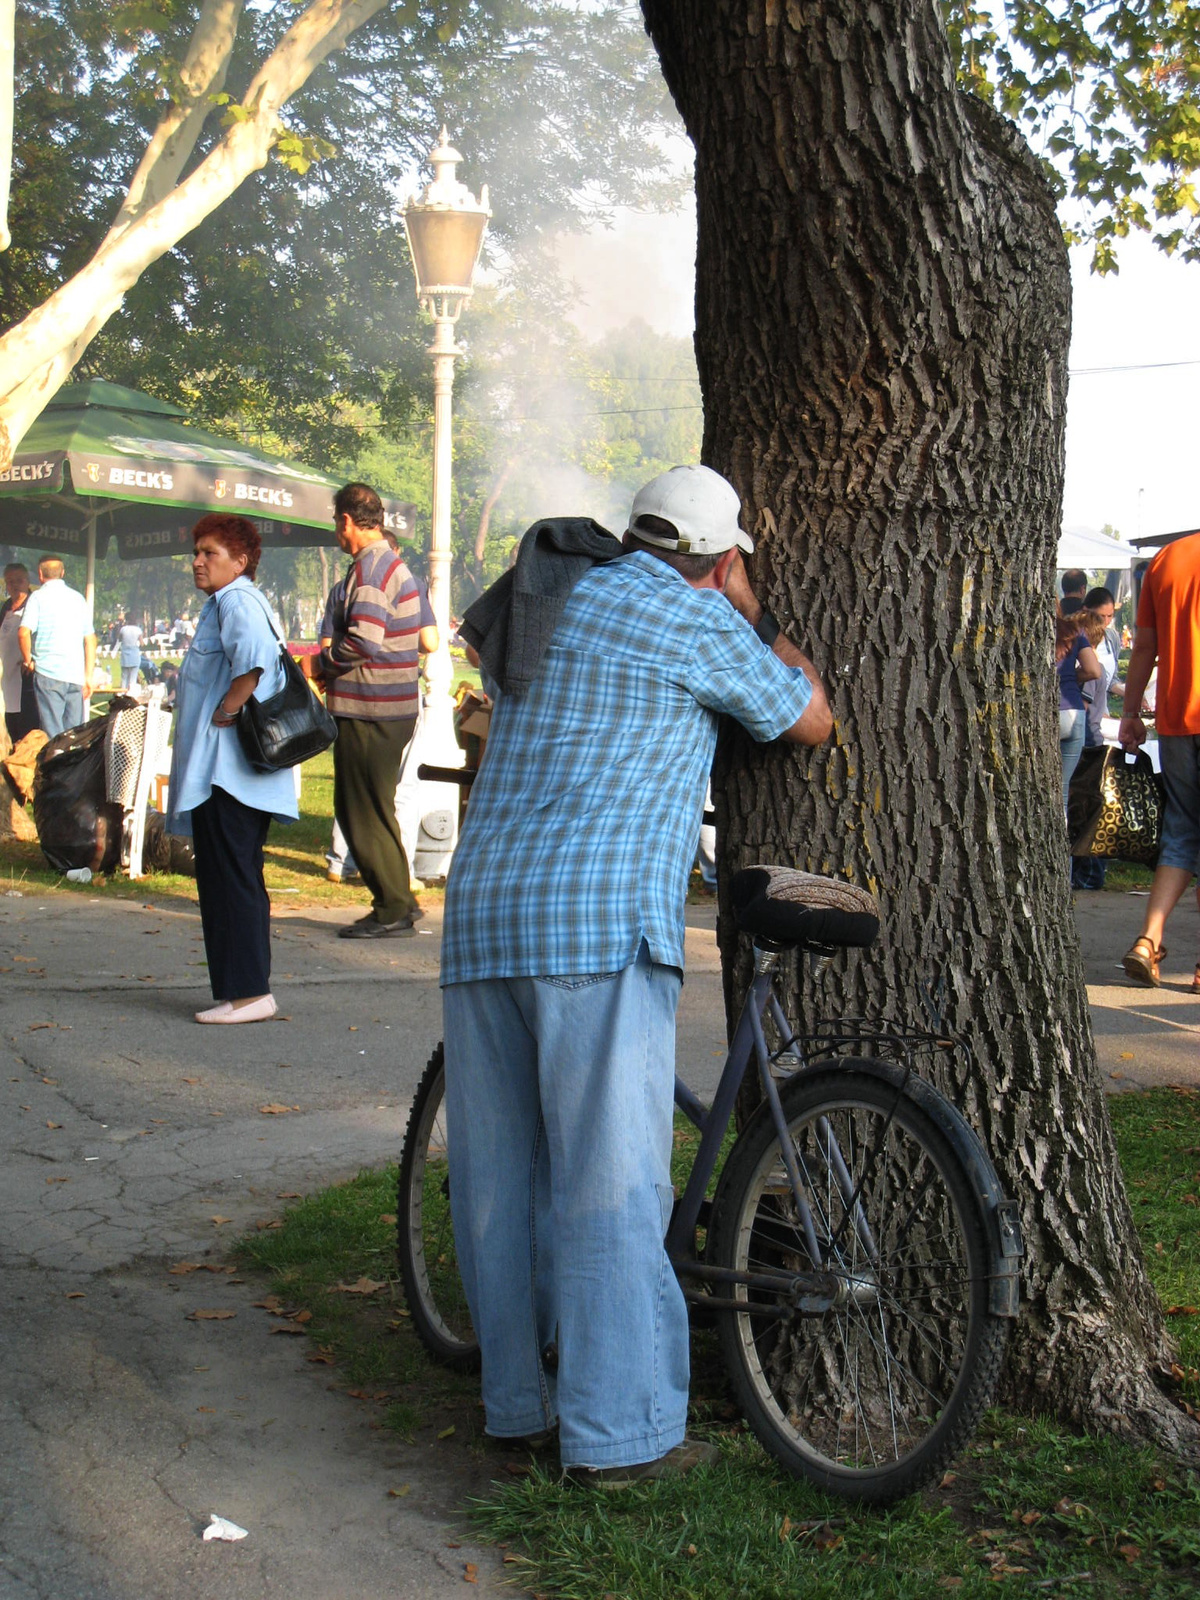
371	666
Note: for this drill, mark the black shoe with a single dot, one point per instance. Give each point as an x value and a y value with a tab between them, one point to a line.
370	928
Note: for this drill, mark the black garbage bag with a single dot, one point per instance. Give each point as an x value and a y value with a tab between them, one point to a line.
166	852
77	826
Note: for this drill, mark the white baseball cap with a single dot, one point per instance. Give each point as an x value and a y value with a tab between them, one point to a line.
699	504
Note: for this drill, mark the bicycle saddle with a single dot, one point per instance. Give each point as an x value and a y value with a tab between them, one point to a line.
791	907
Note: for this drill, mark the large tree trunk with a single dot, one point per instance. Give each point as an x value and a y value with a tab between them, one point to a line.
883	309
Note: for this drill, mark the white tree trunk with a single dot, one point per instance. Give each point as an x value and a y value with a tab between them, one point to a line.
8	10
37	355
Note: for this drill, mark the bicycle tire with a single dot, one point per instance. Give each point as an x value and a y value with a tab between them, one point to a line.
425	1248
872	1399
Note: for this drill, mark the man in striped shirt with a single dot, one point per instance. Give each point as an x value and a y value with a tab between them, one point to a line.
370	670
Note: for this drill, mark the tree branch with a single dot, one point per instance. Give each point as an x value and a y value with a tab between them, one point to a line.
202	75
37	355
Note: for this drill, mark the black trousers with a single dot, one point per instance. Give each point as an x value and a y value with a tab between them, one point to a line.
366	765
235	910
24	721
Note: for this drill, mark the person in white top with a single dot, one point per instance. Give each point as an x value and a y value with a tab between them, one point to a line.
20	707
129	643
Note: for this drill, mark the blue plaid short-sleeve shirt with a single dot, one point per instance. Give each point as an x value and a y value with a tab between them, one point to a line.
583	823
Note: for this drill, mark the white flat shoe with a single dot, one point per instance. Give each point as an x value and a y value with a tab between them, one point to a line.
260	1010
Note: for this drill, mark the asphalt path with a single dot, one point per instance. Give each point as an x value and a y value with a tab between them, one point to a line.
134	1139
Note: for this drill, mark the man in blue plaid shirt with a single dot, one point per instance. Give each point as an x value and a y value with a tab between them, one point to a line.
562	961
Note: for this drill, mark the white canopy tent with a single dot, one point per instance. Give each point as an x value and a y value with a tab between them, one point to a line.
1094	552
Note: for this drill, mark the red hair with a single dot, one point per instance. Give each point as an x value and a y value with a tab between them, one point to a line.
236	535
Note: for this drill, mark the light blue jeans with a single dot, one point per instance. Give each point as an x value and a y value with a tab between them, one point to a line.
1070	746
60	704
559	1100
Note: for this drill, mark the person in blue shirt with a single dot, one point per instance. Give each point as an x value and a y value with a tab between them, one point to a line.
562	960
58	646
215	795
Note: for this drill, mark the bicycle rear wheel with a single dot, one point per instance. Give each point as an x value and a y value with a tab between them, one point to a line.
872	1398
425	1229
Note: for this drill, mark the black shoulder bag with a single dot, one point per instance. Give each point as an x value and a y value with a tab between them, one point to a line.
291	727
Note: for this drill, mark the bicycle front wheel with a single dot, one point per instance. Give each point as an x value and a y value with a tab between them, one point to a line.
425	1248
872	1398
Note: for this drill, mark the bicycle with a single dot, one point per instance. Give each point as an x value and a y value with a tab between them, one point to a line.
859	1255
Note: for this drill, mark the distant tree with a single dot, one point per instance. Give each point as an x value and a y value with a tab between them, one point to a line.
129	145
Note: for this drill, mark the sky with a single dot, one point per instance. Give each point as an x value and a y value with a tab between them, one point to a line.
1133	435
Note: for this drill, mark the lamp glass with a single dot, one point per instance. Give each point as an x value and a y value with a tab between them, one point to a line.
444	246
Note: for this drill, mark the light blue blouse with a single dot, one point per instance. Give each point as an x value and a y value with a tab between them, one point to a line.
234	635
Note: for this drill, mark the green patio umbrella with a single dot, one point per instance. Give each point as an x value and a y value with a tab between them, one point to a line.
105	462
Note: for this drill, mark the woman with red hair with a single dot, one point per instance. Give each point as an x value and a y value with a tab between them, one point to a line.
216	796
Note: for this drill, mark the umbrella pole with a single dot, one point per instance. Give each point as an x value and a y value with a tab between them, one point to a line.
89	588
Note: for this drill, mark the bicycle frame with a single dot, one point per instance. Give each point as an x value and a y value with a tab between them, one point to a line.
813	1291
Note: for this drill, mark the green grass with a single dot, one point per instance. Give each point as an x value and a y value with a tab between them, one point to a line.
1030	1505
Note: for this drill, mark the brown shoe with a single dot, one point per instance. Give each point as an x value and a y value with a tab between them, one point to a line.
691	1453
1141	962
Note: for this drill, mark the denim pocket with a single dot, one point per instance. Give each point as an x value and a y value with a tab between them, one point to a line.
584	980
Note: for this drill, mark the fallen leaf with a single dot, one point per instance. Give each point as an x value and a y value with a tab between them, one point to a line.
470	1575
77	1294
54	1124
826	1540
302	1316
324	1361
210	1316
271	1303
1028	1518
35	1026
266	1227
389	1219
691	1550
218	1221
287	1327
206	1408
1131	1552
785	1528
446	1432
360	1286
290	1194
398	1494
947	1479
58	1180
1171	1311
274	1110
1126	1055
189	1080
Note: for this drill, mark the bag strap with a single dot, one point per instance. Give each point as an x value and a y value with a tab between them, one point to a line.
266	611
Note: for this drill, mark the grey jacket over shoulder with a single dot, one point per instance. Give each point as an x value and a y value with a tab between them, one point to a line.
512	623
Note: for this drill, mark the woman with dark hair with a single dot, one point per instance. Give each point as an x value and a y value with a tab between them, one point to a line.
1077	665
216	796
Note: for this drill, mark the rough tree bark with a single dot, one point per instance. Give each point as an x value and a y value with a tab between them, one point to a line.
37	355
883	309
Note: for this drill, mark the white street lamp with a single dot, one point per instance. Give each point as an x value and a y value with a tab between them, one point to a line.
445	234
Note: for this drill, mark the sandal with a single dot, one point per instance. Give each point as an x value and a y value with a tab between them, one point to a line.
1141	962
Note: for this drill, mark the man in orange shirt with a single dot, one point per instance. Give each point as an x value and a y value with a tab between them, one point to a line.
1168	630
